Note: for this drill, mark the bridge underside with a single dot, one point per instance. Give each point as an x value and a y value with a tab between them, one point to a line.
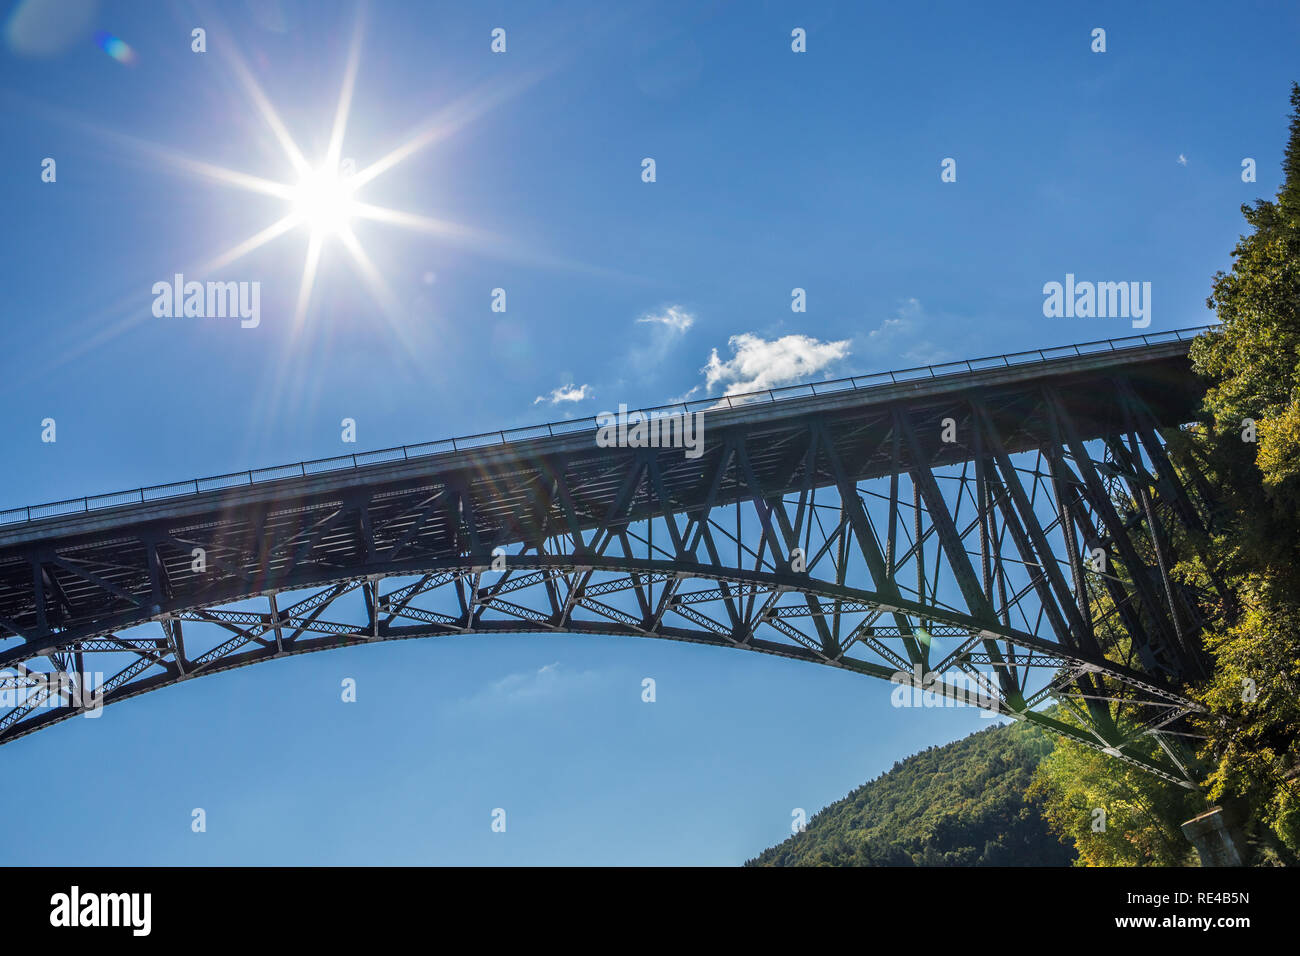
1011	533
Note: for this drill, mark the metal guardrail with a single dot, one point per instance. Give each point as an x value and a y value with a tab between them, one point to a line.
301	469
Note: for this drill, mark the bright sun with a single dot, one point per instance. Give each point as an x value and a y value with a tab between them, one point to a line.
323	201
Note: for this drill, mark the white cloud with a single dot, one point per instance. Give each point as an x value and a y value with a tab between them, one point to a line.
565	393
674	317
759	363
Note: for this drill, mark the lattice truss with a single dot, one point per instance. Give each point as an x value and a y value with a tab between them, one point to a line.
1040	575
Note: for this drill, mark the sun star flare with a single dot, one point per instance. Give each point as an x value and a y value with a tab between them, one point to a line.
323	201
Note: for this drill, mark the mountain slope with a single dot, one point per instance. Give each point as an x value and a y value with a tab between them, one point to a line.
961	804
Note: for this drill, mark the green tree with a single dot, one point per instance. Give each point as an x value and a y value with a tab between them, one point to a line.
962	804
1252	365
1116	814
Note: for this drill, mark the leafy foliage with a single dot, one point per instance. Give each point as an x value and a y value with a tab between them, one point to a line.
1115	814
961	804
1252	365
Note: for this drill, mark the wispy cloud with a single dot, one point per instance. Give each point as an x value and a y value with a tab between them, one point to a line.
758	363
565	393
648	352
903	321
523	687
906	337
674	317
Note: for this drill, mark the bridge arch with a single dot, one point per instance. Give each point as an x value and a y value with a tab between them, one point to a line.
839	528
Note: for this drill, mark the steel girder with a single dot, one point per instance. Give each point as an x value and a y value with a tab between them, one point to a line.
1030	556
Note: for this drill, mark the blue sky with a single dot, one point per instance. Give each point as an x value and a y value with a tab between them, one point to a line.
774	170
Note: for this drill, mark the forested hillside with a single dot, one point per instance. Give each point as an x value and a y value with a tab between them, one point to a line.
962	804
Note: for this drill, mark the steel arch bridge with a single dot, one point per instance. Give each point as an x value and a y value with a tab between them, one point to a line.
1008	524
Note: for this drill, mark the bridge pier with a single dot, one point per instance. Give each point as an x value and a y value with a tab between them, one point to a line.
1217	839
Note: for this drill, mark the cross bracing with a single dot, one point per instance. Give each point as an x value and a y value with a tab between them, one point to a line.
1010	528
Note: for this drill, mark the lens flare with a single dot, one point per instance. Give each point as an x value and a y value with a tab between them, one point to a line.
115	47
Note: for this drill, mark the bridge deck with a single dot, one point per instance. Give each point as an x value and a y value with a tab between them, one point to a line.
446	504
1156	362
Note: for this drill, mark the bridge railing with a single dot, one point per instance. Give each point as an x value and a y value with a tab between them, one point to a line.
301	469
